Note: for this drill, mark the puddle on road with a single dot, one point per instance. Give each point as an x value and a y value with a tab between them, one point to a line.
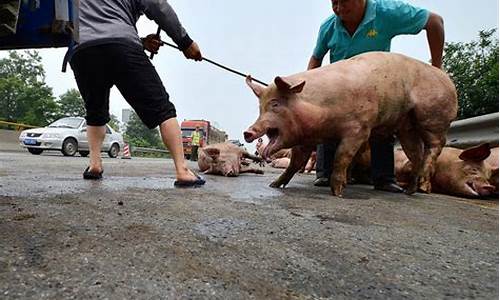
24	187
249	190
240	189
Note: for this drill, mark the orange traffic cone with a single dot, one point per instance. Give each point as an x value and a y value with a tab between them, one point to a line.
126	152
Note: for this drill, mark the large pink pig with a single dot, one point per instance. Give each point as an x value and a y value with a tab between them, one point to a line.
458	172
375	93
226	159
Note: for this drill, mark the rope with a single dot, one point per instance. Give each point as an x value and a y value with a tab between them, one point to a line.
217	64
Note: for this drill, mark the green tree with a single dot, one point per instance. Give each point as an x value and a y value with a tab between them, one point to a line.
24	95
114	122
137	134
473	67
71	104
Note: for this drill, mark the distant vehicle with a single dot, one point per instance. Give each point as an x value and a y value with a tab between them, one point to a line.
210	134
68	135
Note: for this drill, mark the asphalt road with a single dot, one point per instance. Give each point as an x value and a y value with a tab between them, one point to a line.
134	236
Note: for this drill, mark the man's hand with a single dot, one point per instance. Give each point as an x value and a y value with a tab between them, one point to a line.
151	43
193	52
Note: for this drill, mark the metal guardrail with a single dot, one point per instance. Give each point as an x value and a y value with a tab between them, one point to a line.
148	150
474	131
18	126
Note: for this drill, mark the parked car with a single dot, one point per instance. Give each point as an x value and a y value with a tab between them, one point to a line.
68	135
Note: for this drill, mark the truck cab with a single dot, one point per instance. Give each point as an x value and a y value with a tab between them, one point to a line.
209	134
38	23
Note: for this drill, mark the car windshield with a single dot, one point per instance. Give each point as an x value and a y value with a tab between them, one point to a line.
186	132
67	123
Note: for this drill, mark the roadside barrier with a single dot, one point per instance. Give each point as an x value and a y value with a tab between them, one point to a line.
126	152
16	126
474	131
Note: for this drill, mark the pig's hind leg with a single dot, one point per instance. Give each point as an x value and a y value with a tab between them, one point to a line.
413	147
300	156
433	144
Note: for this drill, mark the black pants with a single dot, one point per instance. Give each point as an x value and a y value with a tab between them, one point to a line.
194	153
98	68
382	160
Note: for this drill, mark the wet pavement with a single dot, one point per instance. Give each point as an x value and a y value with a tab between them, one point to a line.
133	235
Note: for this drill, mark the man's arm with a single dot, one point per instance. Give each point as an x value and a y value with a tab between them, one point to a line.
313	63
164	15
435	37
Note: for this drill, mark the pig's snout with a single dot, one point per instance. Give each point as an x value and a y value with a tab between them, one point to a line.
486	190
249	136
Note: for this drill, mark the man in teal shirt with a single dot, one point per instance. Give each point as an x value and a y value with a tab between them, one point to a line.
359	26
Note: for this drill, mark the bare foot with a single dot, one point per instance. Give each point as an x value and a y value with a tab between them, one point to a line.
186	175
95	167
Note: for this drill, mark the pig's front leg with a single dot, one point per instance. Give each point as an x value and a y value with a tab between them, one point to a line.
300	155
346	151
251	170
256	159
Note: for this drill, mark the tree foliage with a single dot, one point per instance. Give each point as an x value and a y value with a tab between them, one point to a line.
24	96
473	67
71	104
114	123
137	134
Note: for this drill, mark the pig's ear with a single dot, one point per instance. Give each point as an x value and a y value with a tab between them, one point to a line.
212	152
478	153
257	89
285	86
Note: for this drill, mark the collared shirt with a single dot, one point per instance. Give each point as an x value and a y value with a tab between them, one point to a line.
195	138
383	20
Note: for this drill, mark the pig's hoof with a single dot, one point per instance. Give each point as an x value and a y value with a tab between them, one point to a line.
411	190
276	184
425	187
337	192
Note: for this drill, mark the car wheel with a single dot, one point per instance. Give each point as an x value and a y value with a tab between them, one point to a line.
35	151
69	147
84	153
114	150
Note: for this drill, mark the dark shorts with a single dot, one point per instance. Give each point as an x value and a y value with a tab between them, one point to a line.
98	68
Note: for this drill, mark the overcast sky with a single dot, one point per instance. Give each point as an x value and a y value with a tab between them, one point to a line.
263	38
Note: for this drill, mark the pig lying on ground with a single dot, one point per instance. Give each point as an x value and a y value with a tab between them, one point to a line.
375	93
284	162
492	161
226	159
311	164
280	163
457	172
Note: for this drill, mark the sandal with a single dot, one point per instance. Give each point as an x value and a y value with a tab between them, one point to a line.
196	183
91	176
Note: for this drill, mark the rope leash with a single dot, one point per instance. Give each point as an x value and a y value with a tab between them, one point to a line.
207	60
217	64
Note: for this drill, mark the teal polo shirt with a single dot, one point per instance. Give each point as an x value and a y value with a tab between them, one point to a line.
383	20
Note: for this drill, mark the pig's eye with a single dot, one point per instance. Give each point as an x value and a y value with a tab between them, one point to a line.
274	104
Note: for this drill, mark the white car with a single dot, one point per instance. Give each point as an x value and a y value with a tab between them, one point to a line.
68	135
